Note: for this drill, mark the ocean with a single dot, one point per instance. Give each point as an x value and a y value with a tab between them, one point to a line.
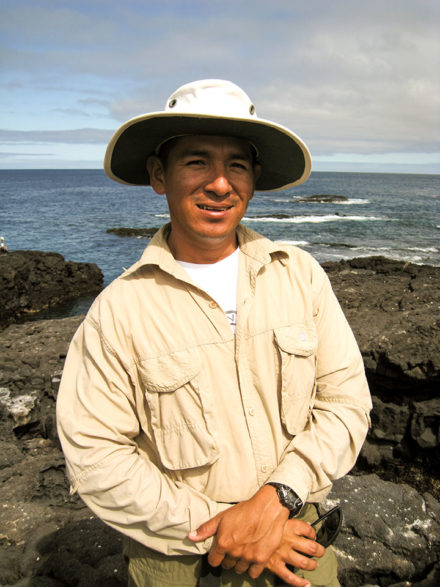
69	211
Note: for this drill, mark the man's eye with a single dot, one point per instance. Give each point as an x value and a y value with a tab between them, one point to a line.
239	165
195	162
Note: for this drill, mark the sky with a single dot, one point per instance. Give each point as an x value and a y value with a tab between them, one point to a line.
357	80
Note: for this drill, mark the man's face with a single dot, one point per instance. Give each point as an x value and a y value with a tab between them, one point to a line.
208	182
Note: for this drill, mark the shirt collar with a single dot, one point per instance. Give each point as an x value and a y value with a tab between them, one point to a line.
258	246
251	243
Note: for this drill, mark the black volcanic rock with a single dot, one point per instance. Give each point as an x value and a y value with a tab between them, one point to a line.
394	311
322	198
136	232
390	535
31	281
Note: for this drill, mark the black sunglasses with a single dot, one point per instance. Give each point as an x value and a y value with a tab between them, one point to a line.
331	522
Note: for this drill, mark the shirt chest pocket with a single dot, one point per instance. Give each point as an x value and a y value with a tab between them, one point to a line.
181	410
297	345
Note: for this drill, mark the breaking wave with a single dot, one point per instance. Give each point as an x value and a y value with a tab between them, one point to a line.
313	219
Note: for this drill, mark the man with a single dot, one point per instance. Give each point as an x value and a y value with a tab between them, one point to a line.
215	389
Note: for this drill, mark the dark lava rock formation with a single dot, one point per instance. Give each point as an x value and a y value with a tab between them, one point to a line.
394	310
31	281
137	232
323	199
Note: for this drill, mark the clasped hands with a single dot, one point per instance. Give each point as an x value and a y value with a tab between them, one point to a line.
256	534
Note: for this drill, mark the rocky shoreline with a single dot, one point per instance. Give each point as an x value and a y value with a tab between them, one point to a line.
391	535
394	311
32	281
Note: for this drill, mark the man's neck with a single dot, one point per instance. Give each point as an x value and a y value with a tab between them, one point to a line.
192	253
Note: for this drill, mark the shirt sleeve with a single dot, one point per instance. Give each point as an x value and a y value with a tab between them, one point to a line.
339	419
98	430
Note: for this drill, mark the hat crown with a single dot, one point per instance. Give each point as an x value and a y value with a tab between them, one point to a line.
212	97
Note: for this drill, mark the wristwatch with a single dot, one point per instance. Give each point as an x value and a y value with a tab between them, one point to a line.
288	498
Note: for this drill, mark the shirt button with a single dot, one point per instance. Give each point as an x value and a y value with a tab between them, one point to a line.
213	305
264	468
251	411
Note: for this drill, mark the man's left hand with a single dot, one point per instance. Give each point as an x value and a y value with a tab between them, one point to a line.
247	534
299	539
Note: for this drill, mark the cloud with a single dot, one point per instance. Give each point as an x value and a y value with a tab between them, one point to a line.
79	136
348	77
15	154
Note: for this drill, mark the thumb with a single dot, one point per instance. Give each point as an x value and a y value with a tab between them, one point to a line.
205	531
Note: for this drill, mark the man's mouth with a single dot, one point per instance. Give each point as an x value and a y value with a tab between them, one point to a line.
213	208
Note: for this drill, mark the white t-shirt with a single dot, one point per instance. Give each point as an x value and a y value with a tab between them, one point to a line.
219	280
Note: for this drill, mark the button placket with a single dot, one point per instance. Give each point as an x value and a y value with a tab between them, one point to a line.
253	411
256	420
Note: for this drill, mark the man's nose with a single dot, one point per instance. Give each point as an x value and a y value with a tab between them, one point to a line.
219	183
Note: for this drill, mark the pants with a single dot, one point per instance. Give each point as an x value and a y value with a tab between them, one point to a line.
148	568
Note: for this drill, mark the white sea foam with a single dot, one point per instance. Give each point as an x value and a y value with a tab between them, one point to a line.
327	254
353	202
380	249
423	250
296	243
350	201
401	253
313	219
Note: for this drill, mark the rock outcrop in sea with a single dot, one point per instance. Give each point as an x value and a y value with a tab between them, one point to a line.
322	198
391	533
136	232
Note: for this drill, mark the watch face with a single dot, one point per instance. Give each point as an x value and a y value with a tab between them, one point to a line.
293	500
288	498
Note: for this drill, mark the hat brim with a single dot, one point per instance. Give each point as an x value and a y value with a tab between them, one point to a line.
284	158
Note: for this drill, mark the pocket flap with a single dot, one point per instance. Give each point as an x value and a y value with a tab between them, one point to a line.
169	372
297	339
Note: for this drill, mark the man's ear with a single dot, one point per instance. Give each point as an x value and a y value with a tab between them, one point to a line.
257	171
156	172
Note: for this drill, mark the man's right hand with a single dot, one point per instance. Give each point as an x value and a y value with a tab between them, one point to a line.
298	540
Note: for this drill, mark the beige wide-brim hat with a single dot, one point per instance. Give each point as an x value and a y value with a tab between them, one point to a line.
208	107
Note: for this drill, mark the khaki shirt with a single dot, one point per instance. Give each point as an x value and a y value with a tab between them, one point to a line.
165	417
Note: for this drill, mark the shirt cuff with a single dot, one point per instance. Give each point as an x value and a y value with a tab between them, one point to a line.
293	472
